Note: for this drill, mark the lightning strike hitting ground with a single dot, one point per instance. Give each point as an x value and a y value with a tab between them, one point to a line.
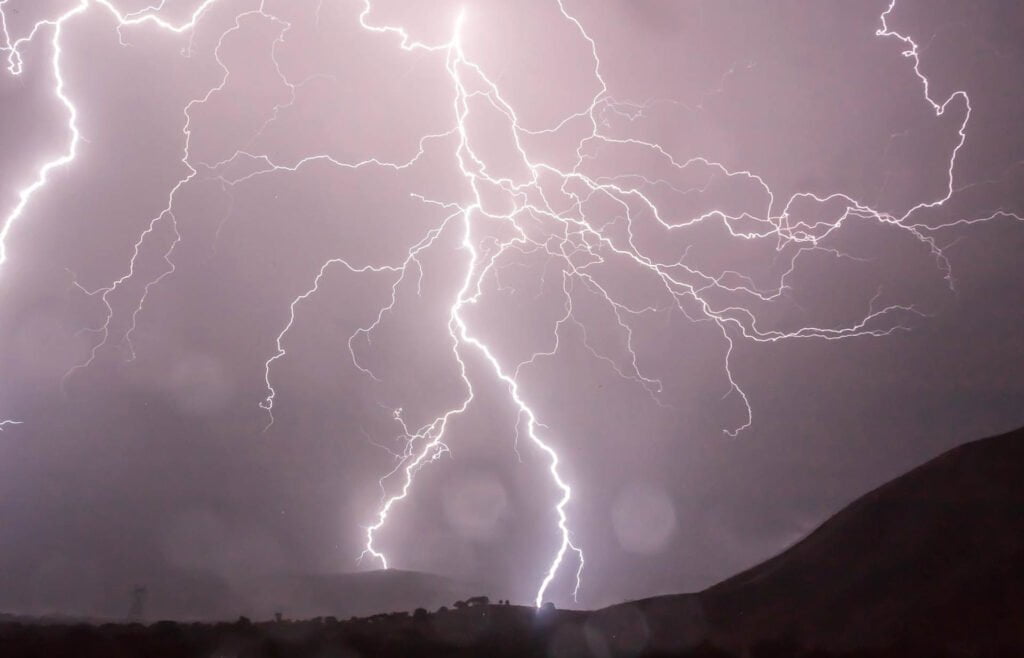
551	219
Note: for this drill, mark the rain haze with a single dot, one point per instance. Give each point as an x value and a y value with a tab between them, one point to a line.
321	273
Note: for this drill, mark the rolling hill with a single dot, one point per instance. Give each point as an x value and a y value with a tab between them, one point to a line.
198	596
933	558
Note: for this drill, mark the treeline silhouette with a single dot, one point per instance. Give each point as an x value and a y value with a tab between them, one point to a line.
472	628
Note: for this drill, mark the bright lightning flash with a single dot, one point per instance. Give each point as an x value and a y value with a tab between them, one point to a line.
547	214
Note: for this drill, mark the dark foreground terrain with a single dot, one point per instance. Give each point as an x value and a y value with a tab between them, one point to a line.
485	632
928	565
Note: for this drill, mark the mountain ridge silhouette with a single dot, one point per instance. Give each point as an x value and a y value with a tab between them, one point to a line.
934	557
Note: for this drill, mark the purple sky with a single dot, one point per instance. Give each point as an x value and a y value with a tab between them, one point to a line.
142	447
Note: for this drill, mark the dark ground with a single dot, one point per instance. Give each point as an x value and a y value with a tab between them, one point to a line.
490	631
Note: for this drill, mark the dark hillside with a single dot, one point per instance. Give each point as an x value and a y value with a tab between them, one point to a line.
935	557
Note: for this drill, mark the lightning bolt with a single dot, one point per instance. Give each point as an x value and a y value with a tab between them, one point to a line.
548	214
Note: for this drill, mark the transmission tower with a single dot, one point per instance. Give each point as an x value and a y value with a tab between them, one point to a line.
138	607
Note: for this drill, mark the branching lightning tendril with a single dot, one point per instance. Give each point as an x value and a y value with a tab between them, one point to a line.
571	236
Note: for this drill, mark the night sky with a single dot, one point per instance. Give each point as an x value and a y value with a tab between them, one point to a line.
143	450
